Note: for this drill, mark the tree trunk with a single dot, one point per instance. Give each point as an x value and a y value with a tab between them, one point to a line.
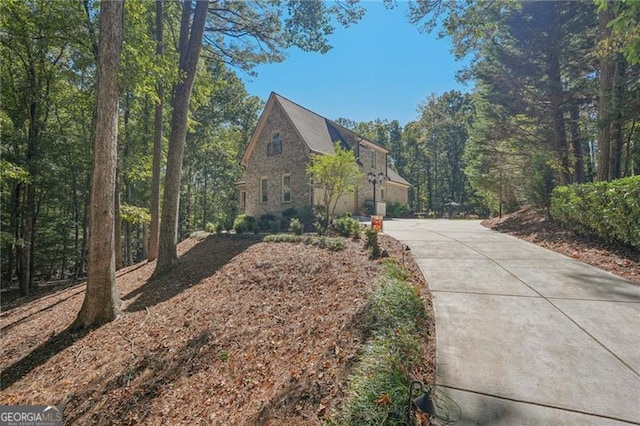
189	54
576	143
605	107
617	139
157	146
101	302
556	96
117	227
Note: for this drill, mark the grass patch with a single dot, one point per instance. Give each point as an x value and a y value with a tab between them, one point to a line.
329	243
379	388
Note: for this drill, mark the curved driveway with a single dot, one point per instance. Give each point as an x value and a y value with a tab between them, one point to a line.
526	336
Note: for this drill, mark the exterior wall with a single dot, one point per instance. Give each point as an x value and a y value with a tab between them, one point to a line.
293	160
345	204
396	194
365	192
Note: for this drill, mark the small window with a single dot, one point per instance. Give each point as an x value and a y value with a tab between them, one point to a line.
286	188
275	146
373	159
264	183
243	199
382	193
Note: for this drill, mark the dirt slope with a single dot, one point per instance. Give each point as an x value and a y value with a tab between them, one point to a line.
239	333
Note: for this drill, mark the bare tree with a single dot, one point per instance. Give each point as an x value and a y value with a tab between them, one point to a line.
101	302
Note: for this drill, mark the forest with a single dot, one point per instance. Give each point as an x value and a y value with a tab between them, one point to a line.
555	100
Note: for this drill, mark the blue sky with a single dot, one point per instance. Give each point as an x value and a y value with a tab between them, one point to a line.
381	67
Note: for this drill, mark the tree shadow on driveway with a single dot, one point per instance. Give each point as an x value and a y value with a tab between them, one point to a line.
200	262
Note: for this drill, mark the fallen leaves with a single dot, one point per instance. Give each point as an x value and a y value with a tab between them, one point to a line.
239	333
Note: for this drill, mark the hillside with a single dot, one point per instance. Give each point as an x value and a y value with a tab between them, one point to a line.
241	332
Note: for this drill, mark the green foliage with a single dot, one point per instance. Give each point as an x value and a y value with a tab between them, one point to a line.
296	226
243	223
135	214
378	390
609	210
336	175
329	243
371	243
541	182
347	226
397	210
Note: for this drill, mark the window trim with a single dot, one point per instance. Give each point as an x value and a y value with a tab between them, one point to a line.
243	199
270	145
286	175
264	192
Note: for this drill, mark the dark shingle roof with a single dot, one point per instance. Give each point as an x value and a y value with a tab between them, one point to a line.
318	132
395	177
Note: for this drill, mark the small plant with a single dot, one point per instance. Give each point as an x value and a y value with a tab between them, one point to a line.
328	243
243	223
296	226
372	242
213	227
347	226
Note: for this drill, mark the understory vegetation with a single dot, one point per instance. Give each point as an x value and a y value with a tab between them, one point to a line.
392	322
609	210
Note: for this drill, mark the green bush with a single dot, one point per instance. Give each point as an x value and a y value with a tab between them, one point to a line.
392	321
213	227
347	226
397	210
296	226
609	210
243	223
332	244
372	242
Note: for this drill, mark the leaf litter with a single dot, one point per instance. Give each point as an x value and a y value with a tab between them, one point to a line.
240	332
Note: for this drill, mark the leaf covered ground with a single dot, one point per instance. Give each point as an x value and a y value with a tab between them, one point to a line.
538	228
240	332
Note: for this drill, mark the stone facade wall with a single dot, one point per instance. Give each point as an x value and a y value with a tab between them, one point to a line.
370	164
293	160
396	194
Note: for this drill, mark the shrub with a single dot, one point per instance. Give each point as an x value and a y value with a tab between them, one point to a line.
295	226
213	227
290	213
372	242
397	210
332	244
609	210
392	321
347	226
243	223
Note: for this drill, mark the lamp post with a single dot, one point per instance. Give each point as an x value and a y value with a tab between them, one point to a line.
374	180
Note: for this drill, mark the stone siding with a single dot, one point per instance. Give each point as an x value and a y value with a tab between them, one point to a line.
293	161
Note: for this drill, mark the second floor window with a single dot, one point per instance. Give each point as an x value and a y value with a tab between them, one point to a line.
275	146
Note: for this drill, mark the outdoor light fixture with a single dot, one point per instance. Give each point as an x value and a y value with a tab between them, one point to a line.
423	403
374	180
405	248
427	399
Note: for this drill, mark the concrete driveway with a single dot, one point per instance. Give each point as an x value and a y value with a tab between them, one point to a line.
526	336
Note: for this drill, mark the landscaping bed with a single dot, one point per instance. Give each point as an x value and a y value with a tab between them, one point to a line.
240	332
536	227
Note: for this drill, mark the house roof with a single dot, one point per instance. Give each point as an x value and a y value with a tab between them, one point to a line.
396	178
317	132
